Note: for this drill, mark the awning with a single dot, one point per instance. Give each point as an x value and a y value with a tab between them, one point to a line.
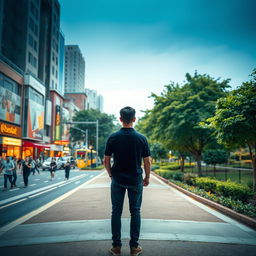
32	144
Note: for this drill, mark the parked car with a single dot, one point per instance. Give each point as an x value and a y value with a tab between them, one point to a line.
46	163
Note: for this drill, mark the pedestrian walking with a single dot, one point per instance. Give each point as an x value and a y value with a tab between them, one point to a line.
37	165
72	162
128	148
67	167
27	166
33	169
53	167
7	167
14	174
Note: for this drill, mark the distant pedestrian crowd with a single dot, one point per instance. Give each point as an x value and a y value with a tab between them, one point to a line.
11	165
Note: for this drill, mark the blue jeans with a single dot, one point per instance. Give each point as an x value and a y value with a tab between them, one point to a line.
135	199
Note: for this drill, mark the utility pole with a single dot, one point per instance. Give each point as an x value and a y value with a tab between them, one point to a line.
85	122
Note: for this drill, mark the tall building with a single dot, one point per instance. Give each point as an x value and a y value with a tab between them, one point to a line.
30	44
100	103
74	70
94	101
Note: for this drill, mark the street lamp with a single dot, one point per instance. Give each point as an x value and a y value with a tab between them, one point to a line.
91	147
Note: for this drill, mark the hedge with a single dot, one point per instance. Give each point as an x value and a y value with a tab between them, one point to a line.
224	188
170	174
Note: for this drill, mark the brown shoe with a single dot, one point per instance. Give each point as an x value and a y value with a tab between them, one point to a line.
115	251
136	251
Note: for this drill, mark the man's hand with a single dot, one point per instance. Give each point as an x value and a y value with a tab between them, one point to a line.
145	182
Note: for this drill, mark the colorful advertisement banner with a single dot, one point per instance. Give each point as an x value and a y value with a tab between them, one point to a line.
35	120
10	106
57	124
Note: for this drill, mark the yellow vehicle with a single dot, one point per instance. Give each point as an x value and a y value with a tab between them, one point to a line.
85	158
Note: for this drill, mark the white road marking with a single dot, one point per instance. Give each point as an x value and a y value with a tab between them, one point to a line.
42	192
44	207
46	181
14	189
37	179
32	185
13	203
77	182
8	200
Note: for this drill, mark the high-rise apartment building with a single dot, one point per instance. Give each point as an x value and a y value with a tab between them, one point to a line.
74	70
30	56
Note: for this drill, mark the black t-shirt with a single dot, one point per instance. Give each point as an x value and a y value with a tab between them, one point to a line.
128	147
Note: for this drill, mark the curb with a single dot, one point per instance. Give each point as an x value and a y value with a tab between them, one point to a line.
238	216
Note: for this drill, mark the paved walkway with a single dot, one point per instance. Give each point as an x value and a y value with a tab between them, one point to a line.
172	224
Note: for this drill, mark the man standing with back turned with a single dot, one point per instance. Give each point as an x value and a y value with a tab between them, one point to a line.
128	147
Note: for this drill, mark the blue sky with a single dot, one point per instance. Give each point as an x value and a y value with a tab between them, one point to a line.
135	47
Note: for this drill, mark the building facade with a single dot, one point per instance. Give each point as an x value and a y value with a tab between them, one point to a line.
74	69
31	76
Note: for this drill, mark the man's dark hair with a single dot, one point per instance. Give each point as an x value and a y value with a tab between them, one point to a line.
127	114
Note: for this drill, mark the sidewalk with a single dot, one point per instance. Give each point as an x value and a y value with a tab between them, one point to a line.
172	224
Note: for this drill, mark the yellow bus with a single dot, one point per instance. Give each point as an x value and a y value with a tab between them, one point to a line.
85	158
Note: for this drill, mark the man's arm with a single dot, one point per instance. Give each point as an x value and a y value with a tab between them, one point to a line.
108	165
147	168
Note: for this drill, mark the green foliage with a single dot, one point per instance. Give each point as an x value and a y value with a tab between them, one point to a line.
233	190
215	156
106	127
224	188
189	178
177	112
207	184
176	166
235	119
158	151
170	174
237	205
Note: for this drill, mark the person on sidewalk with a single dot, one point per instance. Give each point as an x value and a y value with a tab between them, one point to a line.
67	168
8	168
14	174
26	168
53	167
127	147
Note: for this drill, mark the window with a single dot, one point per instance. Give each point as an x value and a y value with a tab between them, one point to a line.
35	45
30	58
35	62
36	30
53	70
56	74
52	84
53	56
30	40
36	96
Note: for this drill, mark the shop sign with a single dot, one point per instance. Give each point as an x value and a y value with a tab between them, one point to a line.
8	129
57	124
11	141
56	147
66	149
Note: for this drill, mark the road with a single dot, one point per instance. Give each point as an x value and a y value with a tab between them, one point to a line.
20	201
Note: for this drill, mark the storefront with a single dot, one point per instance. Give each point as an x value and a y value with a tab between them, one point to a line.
10	146
56	150
36	150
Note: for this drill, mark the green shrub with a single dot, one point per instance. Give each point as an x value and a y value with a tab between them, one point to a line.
167	174
234	190
208	184
189	178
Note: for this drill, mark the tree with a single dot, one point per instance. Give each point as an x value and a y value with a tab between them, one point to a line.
235	119
178	111
158	151
215	156
106	127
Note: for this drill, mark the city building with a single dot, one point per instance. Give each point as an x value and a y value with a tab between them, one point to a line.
94	101
74	70
31	72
